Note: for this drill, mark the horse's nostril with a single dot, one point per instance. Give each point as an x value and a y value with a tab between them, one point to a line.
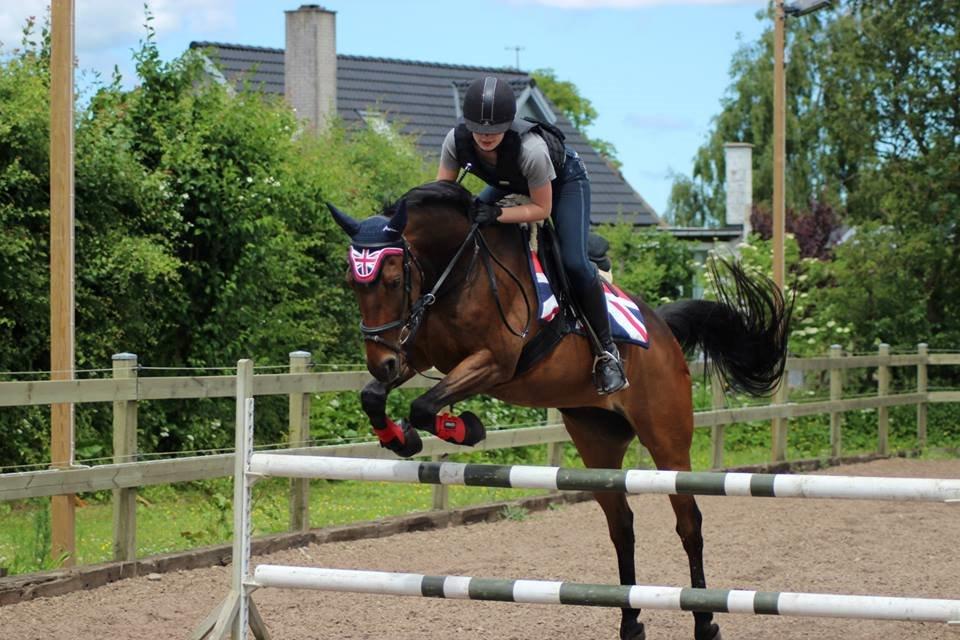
390	368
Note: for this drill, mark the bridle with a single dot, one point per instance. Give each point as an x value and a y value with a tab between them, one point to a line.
410	325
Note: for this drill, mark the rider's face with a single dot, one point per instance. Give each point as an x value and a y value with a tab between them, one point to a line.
488	141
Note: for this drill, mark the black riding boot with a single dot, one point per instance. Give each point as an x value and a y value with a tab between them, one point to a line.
608	375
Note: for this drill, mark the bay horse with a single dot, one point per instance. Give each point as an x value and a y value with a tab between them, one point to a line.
434	291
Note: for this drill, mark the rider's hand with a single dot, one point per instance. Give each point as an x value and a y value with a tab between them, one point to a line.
484	214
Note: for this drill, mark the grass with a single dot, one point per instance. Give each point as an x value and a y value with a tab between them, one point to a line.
179	517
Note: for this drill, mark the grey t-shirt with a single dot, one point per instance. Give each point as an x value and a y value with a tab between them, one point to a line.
535	161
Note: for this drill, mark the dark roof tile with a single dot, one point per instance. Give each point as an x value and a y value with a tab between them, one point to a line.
420	96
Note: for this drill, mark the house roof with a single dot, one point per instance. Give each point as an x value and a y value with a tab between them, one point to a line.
708	234
423	98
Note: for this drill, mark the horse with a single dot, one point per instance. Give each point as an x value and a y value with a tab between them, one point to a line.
435	291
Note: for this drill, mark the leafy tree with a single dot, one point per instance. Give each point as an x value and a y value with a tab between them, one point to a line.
747	116
872	134
650	263
578	110
201	237
815	231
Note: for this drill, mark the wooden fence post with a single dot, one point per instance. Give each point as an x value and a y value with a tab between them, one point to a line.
299	435
836	393
779	426
124	450
441	492
924	352
883	388
554	449
718	400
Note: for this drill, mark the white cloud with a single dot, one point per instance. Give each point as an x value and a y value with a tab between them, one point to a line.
631	4
103	24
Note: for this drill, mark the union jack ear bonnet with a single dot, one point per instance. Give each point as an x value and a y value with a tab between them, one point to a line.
372	240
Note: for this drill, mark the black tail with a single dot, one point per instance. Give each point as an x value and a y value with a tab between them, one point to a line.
744	332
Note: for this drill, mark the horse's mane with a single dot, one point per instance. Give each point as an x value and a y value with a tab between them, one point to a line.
442	192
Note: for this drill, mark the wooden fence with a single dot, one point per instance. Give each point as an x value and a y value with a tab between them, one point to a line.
126	389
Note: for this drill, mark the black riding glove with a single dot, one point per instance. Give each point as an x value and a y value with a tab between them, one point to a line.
484	214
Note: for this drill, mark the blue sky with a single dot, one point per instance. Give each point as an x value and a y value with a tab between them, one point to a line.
655	70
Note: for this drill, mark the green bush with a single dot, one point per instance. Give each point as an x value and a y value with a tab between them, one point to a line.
201	237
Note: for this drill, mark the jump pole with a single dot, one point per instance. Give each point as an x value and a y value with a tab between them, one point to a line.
599	595
633	481
238	610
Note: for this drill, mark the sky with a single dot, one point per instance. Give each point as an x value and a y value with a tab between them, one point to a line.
654	70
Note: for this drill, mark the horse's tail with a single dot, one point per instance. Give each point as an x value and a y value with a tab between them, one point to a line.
744	332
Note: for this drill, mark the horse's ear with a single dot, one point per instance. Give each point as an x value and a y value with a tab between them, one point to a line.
398	221
348	224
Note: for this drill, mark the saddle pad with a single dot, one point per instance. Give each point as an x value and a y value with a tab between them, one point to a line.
626	320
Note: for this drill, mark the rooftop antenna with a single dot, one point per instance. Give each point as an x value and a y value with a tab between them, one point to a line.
517	50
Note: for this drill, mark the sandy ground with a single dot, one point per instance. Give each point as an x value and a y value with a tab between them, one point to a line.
876	548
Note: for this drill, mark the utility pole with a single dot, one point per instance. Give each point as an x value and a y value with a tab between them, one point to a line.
780	12
516	49
62	15
779	143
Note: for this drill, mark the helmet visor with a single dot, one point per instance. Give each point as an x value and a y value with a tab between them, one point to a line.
488	127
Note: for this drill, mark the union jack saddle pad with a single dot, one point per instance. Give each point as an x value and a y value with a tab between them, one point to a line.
626	319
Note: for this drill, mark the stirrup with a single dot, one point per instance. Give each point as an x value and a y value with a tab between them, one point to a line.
608	374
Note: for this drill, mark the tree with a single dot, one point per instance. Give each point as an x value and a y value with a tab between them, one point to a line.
578	110
650	263
815	231
873	133
747	116
201	237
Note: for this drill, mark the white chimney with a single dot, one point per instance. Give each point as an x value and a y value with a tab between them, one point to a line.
738	157
310	63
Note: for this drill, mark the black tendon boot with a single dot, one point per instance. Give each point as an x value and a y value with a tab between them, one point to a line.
608	375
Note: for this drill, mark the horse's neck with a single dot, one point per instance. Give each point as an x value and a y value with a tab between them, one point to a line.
438	235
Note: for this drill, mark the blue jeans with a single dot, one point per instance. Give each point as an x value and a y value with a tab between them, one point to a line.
571	218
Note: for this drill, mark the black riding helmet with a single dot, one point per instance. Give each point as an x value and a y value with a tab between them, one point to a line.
489	105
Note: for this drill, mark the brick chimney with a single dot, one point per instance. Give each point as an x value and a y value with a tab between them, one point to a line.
310	63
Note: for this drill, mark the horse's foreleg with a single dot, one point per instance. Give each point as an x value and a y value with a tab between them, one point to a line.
399	438
475	374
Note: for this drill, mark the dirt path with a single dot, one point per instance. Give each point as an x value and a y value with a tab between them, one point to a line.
874	548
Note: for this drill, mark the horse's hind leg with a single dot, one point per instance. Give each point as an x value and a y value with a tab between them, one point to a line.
673	453
602	439
689	523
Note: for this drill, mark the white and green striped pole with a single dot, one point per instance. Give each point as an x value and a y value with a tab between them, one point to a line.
598	595
630	481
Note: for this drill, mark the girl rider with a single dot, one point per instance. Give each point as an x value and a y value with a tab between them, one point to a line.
513	156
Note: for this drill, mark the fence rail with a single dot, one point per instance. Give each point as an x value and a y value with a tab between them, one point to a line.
126	389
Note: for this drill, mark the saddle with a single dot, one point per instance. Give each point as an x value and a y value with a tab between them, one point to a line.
558	312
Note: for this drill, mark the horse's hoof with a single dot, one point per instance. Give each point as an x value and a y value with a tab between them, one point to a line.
713	633
633	631
475	431
411	445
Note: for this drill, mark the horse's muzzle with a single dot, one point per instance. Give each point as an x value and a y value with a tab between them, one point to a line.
386	370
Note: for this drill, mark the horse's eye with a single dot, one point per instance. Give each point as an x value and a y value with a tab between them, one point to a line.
393	283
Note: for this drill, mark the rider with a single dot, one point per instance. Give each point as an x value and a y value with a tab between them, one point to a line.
512	156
